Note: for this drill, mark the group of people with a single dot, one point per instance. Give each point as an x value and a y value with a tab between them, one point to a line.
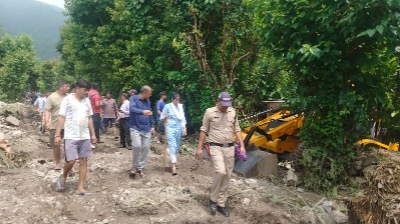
76	118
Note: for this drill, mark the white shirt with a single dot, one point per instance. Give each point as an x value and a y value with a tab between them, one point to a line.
40	102
76	113
125	110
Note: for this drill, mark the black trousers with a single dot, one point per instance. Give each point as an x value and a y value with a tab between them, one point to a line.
124	134
96	124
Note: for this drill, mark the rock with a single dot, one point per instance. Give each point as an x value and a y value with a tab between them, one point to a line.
58	206
2	137
17	134
291	178
339	206
301	190
339	217
96	167
327	206
246	202
12	121
184	147
358	165
251	182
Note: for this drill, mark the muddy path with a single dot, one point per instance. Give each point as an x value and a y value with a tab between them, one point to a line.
26	196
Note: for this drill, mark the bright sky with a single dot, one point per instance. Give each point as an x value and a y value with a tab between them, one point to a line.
59	3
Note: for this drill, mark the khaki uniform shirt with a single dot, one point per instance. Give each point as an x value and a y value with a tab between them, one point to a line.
220	126
53	104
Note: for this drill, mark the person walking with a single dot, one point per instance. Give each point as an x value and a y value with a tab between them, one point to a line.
76	118
160	123
110	110
132	93
123	118
53	104
220	123
174	116
102	114
96	108
141	127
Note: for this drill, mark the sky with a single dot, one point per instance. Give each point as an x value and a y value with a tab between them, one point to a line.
59	3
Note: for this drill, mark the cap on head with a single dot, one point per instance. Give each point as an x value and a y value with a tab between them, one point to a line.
225	99
133	91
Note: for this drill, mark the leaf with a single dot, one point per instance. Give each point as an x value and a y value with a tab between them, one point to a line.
379	28
371	32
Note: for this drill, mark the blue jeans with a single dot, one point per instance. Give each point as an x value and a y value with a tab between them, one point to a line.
141	147
102	126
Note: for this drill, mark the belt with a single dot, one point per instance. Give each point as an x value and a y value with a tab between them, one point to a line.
221	145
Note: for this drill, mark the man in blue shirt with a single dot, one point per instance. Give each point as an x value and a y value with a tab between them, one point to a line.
141	127
160	123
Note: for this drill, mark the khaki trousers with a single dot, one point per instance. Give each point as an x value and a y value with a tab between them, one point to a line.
223	160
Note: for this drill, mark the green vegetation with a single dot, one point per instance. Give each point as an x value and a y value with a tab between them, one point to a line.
39	20
335	59
194	47
17	60
343	64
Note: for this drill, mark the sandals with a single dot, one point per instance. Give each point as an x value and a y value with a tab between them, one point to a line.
142	174
132	174
59	185
174	171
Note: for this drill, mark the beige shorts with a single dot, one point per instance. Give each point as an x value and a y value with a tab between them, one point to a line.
52	134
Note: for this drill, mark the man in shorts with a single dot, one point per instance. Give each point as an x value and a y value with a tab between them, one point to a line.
76	118
110	110
53	104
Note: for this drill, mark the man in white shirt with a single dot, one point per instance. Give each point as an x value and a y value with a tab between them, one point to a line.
75	117
123	118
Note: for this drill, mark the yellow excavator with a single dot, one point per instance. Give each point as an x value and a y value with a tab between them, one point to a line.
278	133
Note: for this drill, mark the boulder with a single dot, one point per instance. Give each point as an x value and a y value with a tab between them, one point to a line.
327	206
17	134
2	137
246	202
291	178
96	167
339	217
13	121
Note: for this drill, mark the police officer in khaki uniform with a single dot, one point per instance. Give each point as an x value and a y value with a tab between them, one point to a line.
220	123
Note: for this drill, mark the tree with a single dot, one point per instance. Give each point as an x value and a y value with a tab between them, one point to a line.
341	56
197	48
17	60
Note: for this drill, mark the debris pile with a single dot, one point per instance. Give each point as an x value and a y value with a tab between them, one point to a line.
11	132
382	204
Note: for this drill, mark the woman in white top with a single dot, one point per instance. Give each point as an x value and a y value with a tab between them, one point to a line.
174	117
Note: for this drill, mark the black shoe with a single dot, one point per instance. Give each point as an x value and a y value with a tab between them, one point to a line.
213	207
223	211
122	146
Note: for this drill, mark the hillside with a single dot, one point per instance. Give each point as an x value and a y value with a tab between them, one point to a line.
39	20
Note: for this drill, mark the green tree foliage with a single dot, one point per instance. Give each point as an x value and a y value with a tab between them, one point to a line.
17	60
341	55
197	48
49	73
